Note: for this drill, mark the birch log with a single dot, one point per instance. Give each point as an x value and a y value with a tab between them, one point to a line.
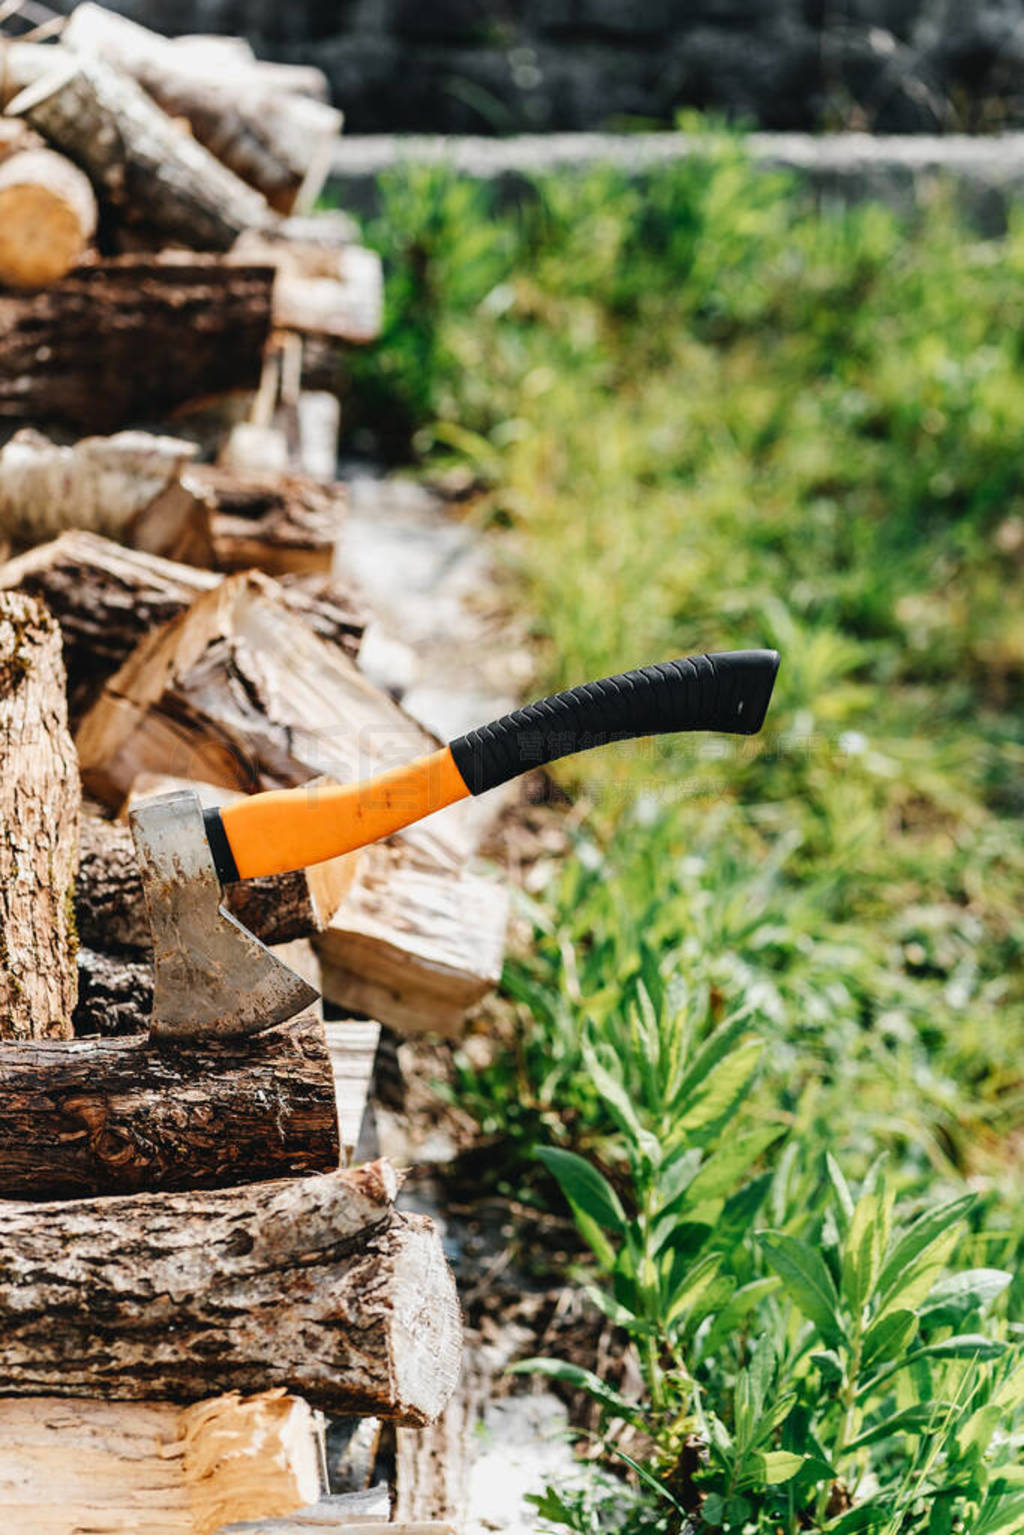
39	805
153	1468
274	140
143	164
114	1116
47	218
316	1284
131	339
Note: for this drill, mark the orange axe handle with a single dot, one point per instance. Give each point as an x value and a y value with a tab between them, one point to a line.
293	828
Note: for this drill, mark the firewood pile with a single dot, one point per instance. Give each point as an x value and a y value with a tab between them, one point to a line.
196	1272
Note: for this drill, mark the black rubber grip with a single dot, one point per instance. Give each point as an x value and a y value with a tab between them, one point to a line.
728	691
220	847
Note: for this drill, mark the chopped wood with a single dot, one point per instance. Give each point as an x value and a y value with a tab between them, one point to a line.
113	1116
100	484
417	941
348	307
433	1464
110	910
143	164
283	524
115	994
352	1045
23	63
315	1284
153	1468
39	805
240	692
15	137
273	139
333	1517
48	218
83	351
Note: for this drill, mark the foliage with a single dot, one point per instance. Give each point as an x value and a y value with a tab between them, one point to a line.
706	415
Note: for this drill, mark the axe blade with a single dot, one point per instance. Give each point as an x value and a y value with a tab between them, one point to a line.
212	977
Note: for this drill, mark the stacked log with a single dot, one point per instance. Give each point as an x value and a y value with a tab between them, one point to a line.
194	1263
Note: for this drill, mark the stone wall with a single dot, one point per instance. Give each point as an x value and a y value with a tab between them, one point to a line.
500	66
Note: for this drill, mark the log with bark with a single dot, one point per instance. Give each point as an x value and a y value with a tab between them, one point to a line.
114	1116
315	1284
110	910
239	692
127	340
275	140
154	1468
39	806
283	524
144	166
126	487
48	218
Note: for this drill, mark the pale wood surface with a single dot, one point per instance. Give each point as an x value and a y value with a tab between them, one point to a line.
151	1468
40	798
352	1045
315	1284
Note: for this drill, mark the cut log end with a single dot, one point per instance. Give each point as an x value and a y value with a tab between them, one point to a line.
47	218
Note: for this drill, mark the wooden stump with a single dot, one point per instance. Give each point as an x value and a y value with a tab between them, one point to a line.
39	806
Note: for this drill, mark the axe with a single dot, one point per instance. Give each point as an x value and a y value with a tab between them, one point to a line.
213	977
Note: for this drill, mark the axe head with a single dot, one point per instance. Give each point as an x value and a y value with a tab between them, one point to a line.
212	977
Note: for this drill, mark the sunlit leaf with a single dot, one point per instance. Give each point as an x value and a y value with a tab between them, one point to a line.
806	1281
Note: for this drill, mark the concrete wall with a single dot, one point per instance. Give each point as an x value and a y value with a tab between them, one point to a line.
500	66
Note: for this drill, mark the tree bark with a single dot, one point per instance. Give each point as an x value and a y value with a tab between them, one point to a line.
83	352
39	806
47	218
315	1284
142	163
153	1468
115	994
272	139
115	1116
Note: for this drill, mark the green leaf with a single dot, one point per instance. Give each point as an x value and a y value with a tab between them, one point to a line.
863	1247
719	1092
613	1094
587	1190
732	1316
844	1199
580	1380
888	1335
956	1296
777	1466
919	1419
686	1289
720	1172
1000	1516
964	1346
714	1050
806	1281
930	1228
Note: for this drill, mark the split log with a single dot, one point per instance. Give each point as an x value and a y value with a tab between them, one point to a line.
107	598
84	351
153	1468
277	142
22	64
283	524
116	485
115	994
143	164
239	692
417	942
47	218
348	307
316	1284
110	910
39	804
15	137
113	1116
